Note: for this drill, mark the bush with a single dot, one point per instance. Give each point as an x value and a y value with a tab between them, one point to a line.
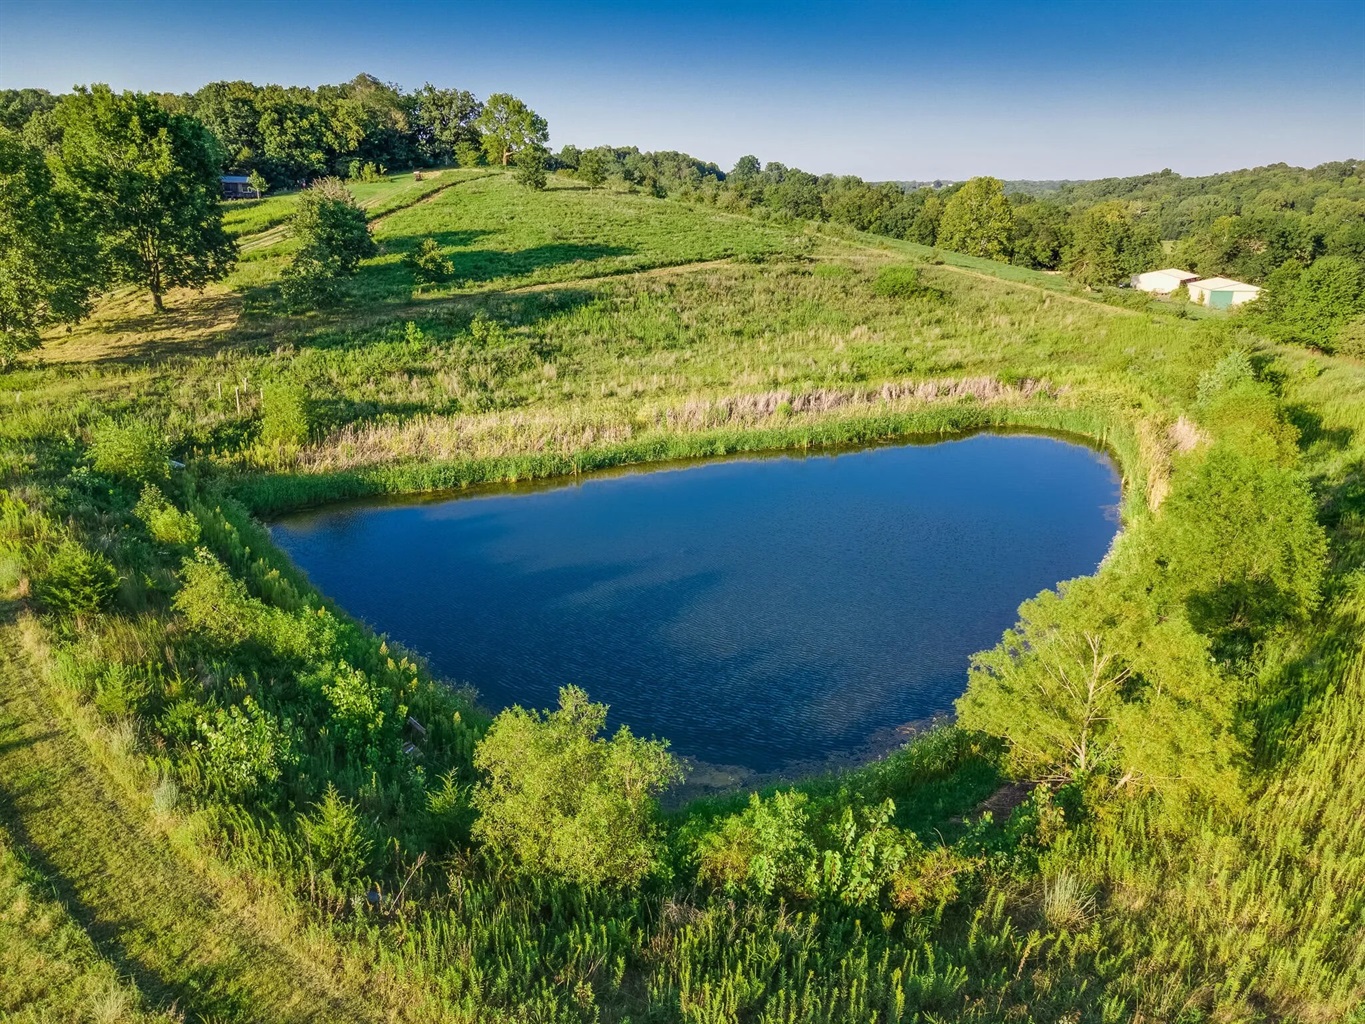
77	580
901	282
135	450
531	167
339	842
309	283
213	602
164	521
244	750
557	798
428	264
286	415
765	849
121	691
467	154
367	172
333	238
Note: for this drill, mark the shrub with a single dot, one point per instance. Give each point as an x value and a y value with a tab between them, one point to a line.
486	331
339	842
121	691
467	154
357	702
1228	374
428	264
77	580
136	450
164	521
557	798
213	602
333	238
531	167
765	849
244	749
286	415
900	282
368	171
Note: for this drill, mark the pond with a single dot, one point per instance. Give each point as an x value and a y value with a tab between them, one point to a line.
776	614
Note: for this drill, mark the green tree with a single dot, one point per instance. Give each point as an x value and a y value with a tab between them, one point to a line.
149	181
558	798
17	106
428	263
333	238
746	167
445	120
259	183
508	125
530	163
592	167
978	220
1041	235
1109	244
1312	304
1234	593
49	259
339	841
1052	684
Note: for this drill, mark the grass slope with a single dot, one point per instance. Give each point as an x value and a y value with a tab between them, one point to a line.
132	905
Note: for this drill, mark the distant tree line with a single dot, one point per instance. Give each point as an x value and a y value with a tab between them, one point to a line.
1298	232
290	135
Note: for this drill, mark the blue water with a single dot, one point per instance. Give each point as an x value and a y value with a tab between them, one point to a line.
764	613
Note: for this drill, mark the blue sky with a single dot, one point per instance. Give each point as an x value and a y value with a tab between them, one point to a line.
905	90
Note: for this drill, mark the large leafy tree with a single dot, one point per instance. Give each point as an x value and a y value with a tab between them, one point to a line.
333	238
1094	682
1313	304
49	259
556	797
445	118
1109	243
149	181
232	111
978	220
1041	234
508	126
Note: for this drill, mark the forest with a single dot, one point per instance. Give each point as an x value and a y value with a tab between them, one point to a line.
224	799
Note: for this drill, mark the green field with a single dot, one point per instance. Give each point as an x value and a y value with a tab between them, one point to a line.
592	328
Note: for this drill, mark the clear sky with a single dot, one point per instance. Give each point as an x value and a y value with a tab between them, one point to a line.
886	91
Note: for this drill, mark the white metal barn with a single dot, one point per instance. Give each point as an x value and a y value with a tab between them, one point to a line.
1221	292
1162	282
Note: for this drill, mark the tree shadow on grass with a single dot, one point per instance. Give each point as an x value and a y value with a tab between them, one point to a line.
485	265
391	281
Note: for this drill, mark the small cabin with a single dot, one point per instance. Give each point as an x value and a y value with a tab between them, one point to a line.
1162	282
237	186
1221	292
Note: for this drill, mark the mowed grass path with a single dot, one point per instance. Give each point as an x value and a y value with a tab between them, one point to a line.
150	916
